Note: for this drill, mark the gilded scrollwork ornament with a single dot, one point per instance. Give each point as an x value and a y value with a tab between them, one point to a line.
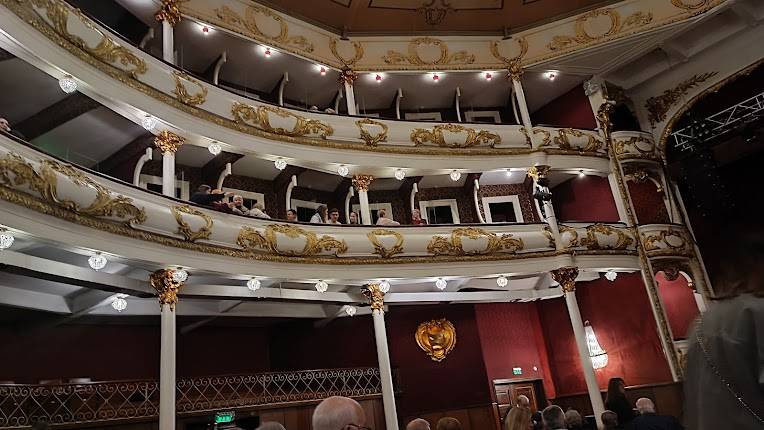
591	241
618	25
167	288
414	58
347	62
347	76
182	94
539	171
514	64
658	106
367	136
379	247
454	244
420	136
252	239
562	140
168	141
184	228
260	117
437	338
566	277
248	26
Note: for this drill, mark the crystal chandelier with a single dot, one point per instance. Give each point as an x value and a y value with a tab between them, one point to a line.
596	353
97	261
6	239
253	284
502	281
321	286
179	275
384	286
119	304
67	84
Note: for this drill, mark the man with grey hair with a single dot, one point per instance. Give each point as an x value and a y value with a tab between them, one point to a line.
649	420
271	425
339	413
418	424
554	418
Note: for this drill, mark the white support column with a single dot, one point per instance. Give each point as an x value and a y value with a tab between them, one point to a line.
398	97
412	196
216	73
376	299
350	98
348	196
525	115
282	85
225	173
361	184
566	277
168	142
139	165
168	42
457	105
619	204
292	184
475	190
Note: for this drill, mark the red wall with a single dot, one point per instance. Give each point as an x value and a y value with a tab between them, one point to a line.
679	303
571	109
649	205
622	319
511	336
587	198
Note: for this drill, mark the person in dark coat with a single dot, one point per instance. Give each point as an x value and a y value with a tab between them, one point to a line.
649	420
616	401
205	197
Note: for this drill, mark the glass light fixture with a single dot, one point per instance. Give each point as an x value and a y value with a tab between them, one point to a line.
441	284
253	284
509	172
214	148
455	175
384	286
67	84
205	30
97	261
378	78
596	353
148	122
502	281
551	75
488	76
610	275
322	70
435	77
350	310
581	173
343	170
400	174
321	286
119	304
6	239
280	164
179	275
267	52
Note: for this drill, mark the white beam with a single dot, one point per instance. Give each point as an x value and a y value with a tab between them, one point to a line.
27	299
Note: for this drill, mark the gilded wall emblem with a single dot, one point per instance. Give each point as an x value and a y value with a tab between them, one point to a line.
437	338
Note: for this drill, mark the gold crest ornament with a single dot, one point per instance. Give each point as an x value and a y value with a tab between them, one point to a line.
437	338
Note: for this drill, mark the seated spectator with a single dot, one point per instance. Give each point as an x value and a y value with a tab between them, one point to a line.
537	421
258	211
320	216
238	206
610	420
382	218
334	216
519	417
339	413
205	197
418	424
574	420
649	420
554	418
448	423
5	127
291	215
353	218
271	425
220	205
416	218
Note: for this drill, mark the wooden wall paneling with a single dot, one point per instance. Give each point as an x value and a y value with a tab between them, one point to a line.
273	415
482	418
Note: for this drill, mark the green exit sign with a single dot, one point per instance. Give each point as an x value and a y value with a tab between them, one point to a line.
517	370
224	417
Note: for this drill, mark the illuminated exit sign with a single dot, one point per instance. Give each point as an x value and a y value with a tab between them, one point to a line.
224	417
517	370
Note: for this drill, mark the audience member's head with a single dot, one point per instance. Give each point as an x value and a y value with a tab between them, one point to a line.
616	388
645	406
610	420
321	211
418	424
271	425
573	419
338	413
4	126
291	215
518	418
448	423
217	191
204	189
238	200
334	215
523	401
353	218
259	206
416	215
381	213
554	417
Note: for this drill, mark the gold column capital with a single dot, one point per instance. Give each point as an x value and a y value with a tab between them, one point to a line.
362	182
347	76
168	141
566	277
375	296
169	11
515	70
166	286
540	171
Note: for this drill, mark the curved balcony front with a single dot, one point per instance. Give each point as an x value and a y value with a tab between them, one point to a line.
133	82
666	240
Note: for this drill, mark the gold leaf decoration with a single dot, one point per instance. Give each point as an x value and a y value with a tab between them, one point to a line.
413	57
562	140
348	62
617	26
592	242
181	92
622	148
185	229
379	247
682	4
259	117
514	64
453	245
247	25
366	136
658	106
437	338
251	239
420	136
653	242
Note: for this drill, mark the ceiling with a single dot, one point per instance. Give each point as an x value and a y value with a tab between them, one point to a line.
406	17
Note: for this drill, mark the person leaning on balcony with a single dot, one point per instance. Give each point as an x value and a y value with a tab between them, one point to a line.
418	424
339	413
291	215
382	218
5	127
416	218
206	196
238	206
334	216
258	211
320	216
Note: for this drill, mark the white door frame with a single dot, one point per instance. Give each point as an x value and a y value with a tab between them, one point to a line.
424	204
502	199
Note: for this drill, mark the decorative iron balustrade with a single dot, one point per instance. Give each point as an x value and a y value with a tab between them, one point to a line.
68	404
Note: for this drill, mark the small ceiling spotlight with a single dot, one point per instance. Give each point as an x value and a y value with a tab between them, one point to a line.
455	175
343	170
400	174
551	75
488	76
97	261
119	304
350	310
435	77
378	78
610	275
179	275
581	173
253	284
6	239
267	52
67	84
214	148
280	163
322	70
321	286
148	122
384	286
509	172
205	30
441	284
502	281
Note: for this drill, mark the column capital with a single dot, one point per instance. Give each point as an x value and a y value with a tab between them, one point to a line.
375	296
566	277
362	182
347	76
515	70
540	171
166	286
169	11
168	141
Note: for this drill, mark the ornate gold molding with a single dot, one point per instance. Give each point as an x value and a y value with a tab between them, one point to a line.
366	136
413	58
347	76
362	182
375	296
617	26
379	247
566	277
682	4
592	242
168	141
185	229
166	287
248	25
622	146
250	239
666	237
259	117
437	338
540	171
169	11
348	63
420	136
453	245
603	118
562	140
658	106
546	140
181	92
515	64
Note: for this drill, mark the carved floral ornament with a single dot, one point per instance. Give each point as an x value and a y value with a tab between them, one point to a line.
375	237
566	277
428	51
598	25
437	136
170	12
598	237
254	19
475	237
279	121
372	137
182	94
168	141
362	182
642	147
437	338
163	282
292	237
658	106
667	242
375	296
185	229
